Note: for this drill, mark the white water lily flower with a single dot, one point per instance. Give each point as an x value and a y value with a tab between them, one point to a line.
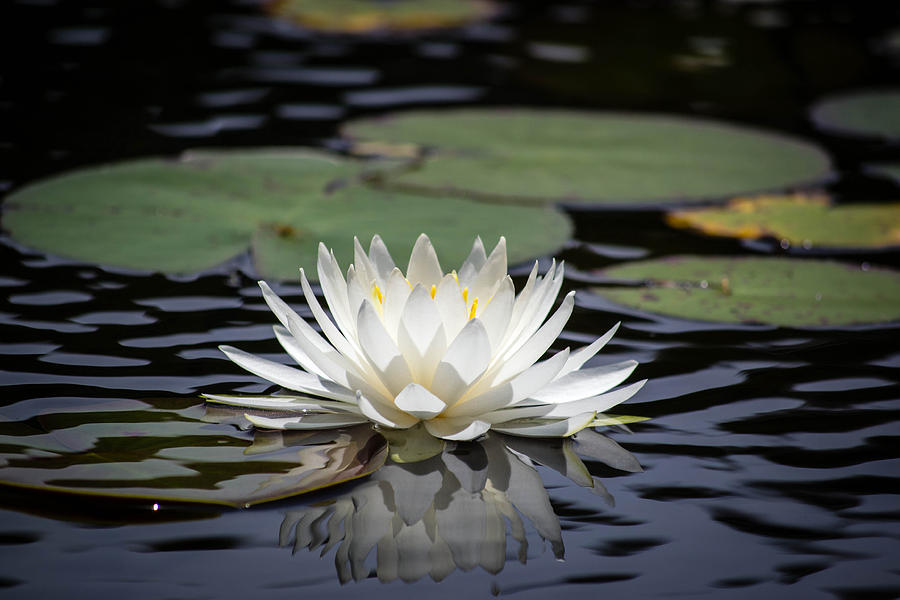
459	352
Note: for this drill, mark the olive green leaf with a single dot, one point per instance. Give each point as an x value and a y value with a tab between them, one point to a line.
870	113
780	291
361	16
205	208
609	158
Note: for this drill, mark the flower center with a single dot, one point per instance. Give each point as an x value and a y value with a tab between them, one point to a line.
378	296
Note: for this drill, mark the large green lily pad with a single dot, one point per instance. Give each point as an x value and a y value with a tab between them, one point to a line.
609	158
175	455
361	16
870	114
775	290
808	221
199	211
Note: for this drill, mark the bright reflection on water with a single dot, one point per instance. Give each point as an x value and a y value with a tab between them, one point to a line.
453	510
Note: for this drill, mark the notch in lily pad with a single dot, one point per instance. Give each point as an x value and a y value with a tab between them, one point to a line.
598	159
781	291
204	209
808	221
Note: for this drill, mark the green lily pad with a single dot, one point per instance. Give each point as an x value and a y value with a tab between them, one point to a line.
204	209
361	16
608	158
164	455
869	114
810	221
889	170
774	290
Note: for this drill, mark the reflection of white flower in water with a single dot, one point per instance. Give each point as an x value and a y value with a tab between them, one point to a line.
456	351
450	511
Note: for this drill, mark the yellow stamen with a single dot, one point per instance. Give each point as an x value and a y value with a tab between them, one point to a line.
376	293
465	293
433	291
455	277
474	308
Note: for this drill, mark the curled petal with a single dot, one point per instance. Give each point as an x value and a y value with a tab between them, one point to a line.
460	429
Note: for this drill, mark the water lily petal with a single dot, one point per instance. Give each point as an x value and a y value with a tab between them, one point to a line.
295	351
498	310
381	258
597	403
538	343
460	429
473	263
494	270
359	288
287	377
331	332
582	355
424	267
449	301
362	264
381	351
531	316
421	335
419	402
597	446
523	299
547	428
307	422
465	361
334	289
284	403
515	390
384	414
290	319
584	383
396	293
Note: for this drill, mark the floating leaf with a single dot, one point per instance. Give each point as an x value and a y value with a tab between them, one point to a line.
360	16
889	170
194	213
610	158
780	291
810	221
174	455
871	114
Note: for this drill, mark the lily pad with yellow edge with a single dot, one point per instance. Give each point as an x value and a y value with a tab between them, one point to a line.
362	16
801	220
773	290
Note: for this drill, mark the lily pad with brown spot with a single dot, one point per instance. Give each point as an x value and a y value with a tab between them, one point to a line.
204	209
802	220
774	290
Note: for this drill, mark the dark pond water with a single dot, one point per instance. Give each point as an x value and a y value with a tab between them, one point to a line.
771	456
